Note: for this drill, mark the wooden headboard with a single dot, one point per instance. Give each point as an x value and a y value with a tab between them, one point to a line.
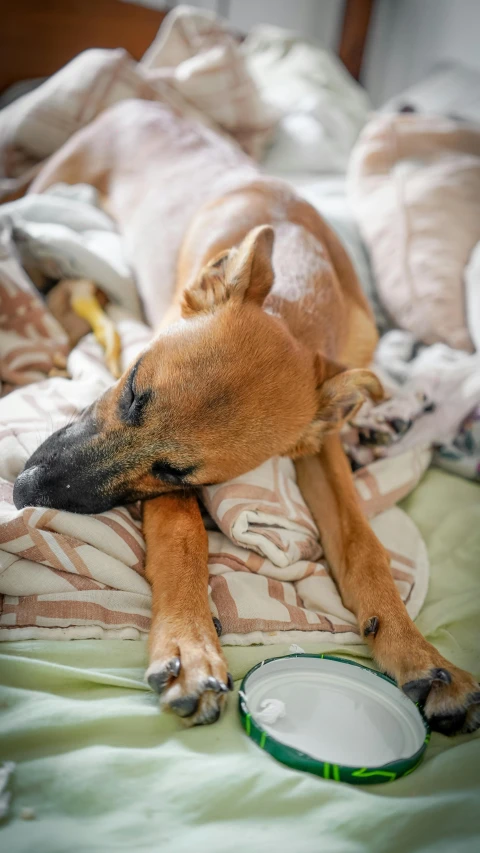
39	36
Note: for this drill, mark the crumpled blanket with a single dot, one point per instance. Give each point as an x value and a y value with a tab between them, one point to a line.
434	401
194	64
63	233
64	575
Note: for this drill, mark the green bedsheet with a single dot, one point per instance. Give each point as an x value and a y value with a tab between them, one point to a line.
102	770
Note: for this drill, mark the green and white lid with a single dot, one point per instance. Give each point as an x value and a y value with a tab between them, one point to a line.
333	717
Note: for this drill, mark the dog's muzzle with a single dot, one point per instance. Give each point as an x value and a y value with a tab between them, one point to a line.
27	487
67	472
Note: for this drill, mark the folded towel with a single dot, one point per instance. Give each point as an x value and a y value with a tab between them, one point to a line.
264	511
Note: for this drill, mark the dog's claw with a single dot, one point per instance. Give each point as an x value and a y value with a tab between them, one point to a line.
174	666
440	674
159	680
229	681
214	684
218	626
371	627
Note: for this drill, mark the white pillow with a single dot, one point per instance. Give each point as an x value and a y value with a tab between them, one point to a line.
323	108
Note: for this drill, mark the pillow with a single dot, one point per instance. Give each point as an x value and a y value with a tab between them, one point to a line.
322	107
415	189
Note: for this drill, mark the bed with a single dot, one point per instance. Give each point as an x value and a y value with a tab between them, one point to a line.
98	768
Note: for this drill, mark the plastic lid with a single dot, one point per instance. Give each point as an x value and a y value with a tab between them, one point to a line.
340	720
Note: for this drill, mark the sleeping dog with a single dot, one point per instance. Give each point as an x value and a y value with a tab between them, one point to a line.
263	340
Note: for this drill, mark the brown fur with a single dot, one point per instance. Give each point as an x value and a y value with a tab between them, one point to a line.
248	364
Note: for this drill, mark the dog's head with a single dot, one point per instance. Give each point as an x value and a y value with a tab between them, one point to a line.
214	396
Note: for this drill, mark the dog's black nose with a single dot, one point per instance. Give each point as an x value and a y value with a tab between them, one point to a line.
26	487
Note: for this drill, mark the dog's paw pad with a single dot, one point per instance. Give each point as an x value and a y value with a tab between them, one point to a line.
202	707
450	699
472	720
448	724
184	706
419	689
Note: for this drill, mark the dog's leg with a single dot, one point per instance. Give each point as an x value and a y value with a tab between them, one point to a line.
187	667
361	569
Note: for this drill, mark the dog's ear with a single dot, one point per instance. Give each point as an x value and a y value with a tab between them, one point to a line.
250	271
241	274
340	393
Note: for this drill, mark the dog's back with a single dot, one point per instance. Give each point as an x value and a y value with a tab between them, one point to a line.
316	290
182	193
154	170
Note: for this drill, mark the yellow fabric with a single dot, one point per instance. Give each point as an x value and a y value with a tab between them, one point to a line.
87	306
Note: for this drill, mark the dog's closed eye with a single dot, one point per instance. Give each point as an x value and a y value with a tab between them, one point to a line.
128	396
132	401
170	473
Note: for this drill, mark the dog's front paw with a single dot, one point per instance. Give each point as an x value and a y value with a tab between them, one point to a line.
190	675
449	696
